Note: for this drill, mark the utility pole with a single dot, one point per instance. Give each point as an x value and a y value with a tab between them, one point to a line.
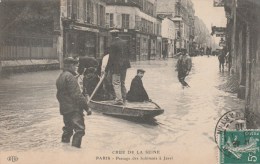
233	46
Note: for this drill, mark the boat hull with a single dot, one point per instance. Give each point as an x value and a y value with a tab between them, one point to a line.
135	110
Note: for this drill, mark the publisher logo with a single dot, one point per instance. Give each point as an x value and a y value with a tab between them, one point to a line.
12	158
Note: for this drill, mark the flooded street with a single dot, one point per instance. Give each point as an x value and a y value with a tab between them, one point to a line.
30	119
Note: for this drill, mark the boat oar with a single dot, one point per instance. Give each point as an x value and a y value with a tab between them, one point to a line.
98	85
103	67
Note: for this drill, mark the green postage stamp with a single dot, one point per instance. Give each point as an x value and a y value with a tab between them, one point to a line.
239	147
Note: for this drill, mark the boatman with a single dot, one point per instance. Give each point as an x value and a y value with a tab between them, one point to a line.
72	103
118	63
137	93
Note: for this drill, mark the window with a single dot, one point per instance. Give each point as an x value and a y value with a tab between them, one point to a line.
111	20
125	21
69	8
74	10
102	15
90	12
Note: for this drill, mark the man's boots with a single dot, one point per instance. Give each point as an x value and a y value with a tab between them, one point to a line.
76	141
66	137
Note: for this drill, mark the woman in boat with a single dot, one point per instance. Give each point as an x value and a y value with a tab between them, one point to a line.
137	92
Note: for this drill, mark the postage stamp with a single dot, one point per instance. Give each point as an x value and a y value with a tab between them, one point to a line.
239	147
232	120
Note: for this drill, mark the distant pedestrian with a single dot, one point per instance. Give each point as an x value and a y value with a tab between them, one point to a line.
164	54
184	65
221	59
137	92
72	103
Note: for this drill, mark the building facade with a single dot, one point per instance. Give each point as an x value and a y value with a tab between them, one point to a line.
182	13
168	37
243	42
84	27
202	37
138	24
37	32
28	33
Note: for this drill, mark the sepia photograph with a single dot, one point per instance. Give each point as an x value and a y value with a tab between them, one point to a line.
129	81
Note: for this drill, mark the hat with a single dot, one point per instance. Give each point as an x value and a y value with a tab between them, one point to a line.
91	70
70	60
140	70
114	31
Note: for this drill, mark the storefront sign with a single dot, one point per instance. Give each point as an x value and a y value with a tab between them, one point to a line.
84	28
218	3
218	31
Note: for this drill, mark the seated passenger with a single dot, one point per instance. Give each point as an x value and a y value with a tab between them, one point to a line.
137	92
90	82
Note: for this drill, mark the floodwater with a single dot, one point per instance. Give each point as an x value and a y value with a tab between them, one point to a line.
30	119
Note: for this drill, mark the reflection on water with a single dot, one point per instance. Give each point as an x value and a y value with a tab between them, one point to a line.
148	121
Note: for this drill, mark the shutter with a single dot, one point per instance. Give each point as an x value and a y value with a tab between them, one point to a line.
107	19
131	22
119	21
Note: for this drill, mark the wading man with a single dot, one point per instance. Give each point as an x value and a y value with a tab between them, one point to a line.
72	103
184	65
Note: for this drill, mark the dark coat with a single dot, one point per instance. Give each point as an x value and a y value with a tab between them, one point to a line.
184	64
137	92
118	56
69	95
90	82
86	62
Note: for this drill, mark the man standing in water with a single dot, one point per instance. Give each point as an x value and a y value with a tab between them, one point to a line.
184	65
72	102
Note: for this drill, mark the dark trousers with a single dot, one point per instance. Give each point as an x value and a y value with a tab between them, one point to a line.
181	76
74	122
221	64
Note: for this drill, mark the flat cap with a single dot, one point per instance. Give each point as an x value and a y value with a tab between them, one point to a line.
70	60
141	70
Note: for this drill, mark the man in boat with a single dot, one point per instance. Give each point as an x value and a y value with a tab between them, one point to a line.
183	66
72	103
107	83
118	63
90	82
86	62
137	92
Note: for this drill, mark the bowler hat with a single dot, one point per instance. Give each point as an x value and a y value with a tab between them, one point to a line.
70	60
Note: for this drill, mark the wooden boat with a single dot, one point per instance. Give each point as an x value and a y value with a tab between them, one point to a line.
140	110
